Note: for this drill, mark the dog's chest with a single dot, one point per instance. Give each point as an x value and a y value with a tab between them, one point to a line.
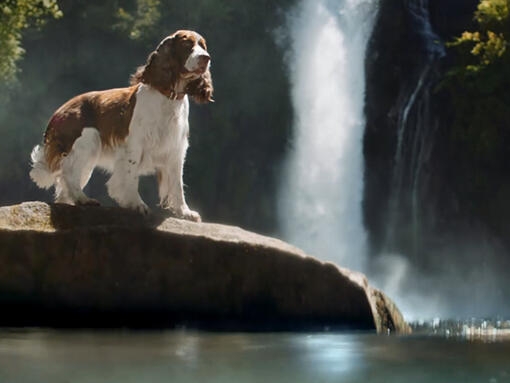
160	124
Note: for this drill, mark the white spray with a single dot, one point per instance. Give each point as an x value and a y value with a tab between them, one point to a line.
322	190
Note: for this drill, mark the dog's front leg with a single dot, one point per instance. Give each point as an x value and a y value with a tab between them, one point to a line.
171	188
123	184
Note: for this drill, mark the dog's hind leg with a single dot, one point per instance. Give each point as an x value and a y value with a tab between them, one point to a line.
77	168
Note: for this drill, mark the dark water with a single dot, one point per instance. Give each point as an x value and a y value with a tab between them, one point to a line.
40	356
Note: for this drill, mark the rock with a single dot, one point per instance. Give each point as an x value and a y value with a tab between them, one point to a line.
98	267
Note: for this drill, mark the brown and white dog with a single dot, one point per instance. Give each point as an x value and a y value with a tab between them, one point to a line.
133	131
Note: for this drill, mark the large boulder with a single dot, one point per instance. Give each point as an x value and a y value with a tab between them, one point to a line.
96	266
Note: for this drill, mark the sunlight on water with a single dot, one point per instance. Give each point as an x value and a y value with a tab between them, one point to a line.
489	330
39	356
330	355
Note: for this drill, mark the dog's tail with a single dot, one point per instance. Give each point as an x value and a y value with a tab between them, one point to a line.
41	173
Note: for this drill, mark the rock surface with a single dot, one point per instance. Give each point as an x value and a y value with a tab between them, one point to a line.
99	267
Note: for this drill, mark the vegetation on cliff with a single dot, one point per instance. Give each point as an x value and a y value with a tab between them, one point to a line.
479	86
16	16
480	81
488	45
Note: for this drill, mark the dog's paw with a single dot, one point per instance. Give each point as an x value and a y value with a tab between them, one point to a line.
191	215
142	208
183	212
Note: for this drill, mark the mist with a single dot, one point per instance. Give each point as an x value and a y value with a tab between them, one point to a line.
465	281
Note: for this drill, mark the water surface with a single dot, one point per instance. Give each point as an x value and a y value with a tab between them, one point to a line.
38	356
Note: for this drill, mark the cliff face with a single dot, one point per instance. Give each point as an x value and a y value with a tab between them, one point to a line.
93	266
422	188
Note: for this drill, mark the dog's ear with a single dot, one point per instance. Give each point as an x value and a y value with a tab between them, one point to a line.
161	68
201	89
143	72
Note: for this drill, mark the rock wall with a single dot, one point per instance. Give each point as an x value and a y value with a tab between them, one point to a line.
438	200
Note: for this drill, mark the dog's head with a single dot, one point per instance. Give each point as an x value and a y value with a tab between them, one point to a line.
180	58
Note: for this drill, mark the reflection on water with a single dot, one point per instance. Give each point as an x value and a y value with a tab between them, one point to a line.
39	356
491	330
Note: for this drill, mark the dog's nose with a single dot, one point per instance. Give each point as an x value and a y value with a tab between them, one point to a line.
203	60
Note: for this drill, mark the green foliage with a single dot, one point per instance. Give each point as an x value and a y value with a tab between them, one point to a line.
478	86
480	80
493	14
488	45
139	21
15	16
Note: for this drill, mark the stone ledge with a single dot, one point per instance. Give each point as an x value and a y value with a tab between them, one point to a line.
95	266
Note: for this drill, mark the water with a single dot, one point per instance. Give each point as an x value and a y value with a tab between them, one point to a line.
320	197
415	127
39	356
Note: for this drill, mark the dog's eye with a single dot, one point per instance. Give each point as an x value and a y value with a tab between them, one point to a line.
188	44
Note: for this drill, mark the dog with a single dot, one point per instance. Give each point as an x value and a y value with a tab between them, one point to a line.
137	130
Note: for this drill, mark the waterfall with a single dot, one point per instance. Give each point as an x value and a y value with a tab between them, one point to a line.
415	131
321	193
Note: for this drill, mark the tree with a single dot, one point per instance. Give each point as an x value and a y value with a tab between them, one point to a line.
15	16
140	21
480	80
478	86
490	43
